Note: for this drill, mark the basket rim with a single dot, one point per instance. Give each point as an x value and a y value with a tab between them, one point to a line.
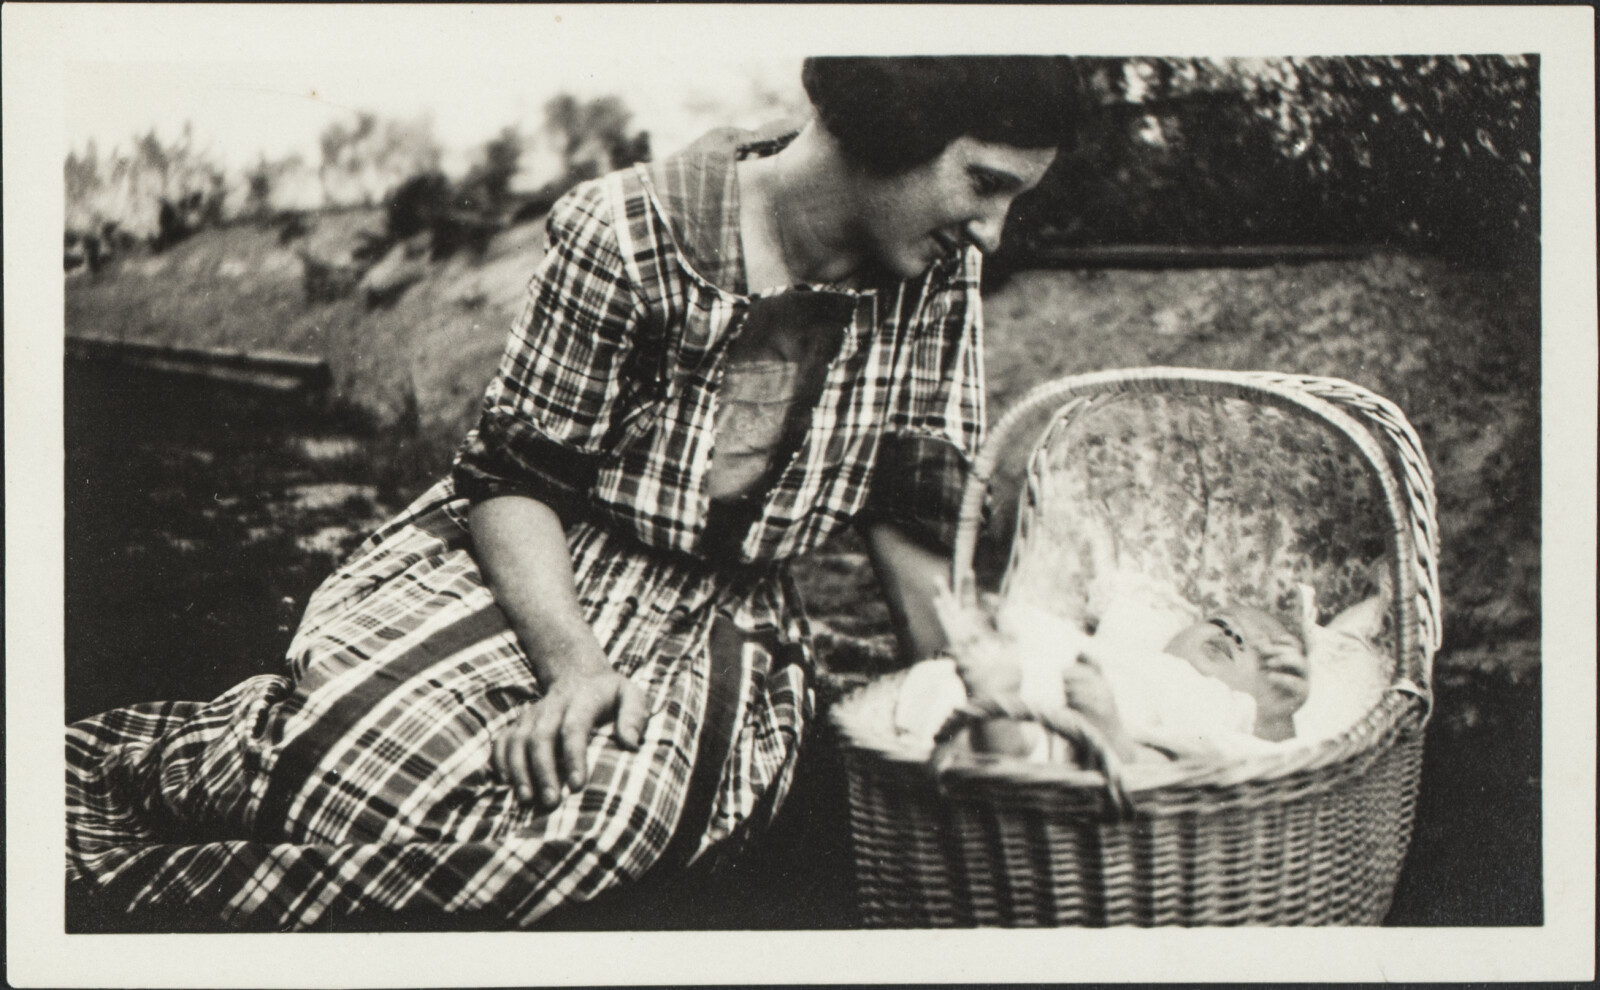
1153	783
1346	410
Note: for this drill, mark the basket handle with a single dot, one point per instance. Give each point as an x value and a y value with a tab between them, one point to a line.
1376	411
1100	755
1414	534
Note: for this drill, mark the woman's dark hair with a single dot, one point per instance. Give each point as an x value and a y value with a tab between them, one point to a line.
890	114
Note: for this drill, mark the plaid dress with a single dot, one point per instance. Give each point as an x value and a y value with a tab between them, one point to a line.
360	782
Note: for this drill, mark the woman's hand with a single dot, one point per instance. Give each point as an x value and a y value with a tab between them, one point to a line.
547	744
522	549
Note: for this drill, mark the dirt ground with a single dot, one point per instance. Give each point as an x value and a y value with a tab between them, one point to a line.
197	525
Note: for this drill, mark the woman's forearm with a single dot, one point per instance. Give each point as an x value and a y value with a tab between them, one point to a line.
909	575
522	551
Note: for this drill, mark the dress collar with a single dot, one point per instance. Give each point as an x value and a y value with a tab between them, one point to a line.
697	194
696	191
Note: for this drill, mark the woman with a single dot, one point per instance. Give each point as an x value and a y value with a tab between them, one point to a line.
725	358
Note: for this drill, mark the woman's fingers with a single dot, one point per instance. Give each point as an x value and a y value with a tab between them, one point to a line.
515	760
541	757
632	713
499	758
548	745
577	724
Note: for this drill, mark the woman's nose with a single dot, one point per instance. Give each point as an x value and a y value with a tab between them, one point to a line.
985	232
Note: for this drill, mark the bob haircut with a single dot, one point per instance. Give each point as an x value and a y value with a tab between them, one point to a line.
891	114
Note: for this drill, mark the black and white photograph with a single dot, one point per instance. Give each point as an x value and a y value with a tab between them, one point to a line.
679	493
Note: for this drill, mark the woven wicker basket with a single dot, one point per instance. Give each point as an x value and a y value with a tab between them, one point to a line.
1314	834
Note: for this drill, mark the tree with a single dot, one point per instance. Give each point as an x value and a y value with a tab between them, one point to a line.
366	159
131	191
1445	150
486	185
1427	153
339	157
593	135
262	181
82	182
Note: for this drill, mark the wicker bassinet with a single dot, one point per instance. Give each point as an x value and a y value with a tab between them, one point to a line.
1233	486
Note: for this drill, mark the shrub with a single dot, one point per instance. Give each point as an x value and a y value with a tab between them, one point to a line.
291	227
327	281
1427	153
417	204
429	202
486	187
366	160
160	190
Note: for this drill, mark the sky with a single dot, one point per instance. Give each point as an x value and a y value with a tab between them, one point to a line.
242	110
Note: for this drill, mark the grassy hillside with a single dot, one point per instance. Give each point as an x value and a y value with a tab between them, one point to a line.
431	349
1456	349
193	540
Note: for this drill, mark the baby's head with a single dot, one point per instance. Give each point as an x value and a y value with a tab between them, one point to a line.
1250	651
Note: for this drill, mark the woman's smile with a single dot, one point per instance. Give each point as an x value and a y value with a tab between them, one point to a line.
937	208
946	243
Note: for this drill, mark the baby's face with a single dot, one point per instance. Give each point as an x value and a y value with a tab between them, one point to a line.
1250	651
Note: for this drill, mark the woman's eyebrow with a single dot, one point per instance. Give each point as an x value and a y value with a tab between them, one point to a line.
998	178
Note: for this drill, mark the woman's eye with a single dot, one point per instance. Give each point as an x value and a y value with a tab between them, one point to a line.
986	185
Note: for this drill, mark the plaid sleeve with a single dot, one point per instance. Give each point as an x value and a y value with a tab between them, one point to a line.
547	411
922	467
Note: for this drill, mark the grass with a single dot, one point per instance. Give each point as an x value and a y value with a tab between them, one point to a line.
196	527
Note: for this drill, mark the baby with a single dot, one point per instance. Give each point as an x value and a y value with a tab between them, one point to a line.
1164	707
1227	684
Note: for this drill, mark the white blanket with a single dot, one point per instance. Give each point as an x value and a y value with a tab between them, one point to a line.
1163	701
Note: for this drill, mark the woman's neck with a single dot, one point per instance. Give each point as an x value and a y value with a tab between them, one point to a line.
797	213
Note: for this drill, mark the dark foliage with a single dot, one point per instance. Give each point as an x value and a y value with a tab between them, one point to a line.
1438	154
486	188
327	281
173	227
292	227
594	134
418	204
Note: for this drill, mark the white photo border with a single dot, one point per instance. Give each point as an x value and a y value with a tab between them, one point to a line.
40	40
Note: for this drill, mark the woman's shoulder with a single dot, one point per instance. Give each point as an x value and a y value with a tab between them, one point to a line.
678	206
695	195
585	207
694	180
